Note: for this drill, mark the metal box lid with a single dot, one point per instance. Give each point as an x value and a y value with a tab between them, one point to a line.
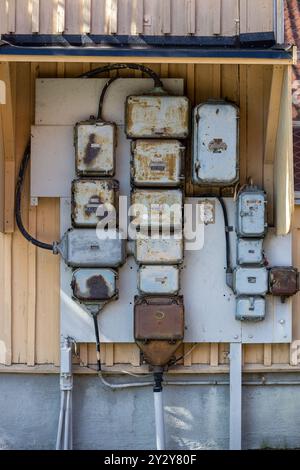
84	248
157	208
251	213
151	116
250	251
158	318
94	285
157	163
88	195
250	280
250	309
158	251
216	143
161	280
95	143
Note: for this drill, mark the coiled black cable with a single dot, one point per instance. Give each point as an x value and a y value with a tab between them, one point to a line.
109	68
19	186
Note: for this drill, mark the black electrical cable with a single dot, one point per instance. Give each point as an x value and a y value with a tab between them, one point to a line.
19	186
95	318
109	68
102	96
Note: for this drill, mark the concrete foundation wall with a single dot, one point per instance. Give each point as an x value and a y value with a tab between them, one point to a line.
196	417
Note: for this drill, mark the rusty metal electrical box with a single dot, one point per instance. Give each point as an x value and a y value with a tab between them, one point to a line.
94	285
157	115
95	144
158	327
160	209
160	280
216	143
157	163
250	309
283	281
158	251
92	200
250	280
87	248
251	213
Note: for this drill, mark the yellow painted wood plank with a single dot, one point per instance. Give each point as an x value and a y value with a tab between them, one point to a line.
273	112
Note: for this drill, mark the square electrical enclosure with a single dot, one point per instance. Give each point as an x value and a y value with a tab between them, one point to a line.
93	200
250	280
157	162
162	250
250	251
159	209
157	115
94	285
95	148
252	309
215	143
251	213
160	280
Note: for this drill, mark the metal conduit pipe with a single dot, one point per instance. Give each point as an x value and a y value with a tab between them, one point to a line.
60	420
159	410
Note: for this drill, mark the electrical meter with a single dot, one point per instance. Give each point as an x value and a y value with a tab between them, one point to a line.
157	163
160	209
90	248
158	251
215	143
251	213
92	200
94	285
250	251
95	144
158	280
250	281
157	115
250	309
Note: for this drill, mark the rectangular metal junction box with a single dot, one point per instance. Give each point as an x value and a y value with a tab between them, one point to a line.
283	281
160	115
95	146
83	248
159	251
157	163
89	196
160	209
250	309
94	285
250	281
250	251
251	213
215	143
158	280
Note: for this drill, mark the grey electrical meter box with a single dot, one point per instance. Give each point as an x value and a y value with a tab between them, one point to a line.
158	280
250	251
250	309
250	281
94	285
251	213
89	197
157	115
160	208
95	144
157	162
215	143
90	248
159	251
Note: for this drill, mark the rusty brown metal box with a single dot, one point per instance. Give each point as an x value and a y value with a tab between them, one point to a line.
157	162
94	285
283	281
159	318
152	116
95	144
92	200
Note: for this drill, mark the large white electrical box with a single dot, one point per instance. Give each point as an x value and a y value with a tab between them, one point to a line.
251	213
250	309
94	285
250	280
250	251
159	251
158	280
215	143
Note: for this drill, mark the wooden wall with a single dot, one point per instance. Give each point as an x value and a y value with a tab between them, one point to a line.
29	278
175	17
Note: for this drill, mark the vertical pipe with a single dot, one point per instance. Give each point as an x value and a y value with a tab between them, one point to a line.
159	420
235	427
67	422
71	421
60	420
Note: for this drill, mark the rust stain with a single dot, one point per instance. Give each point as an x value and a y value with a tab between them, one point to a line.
92	150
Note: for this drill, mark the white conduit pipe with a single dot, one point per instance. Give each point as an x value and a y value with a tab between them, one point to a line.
60	420
159	420
67	422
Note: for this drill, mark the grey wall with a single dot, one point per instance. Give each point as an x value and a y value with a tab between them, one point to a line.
196	417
